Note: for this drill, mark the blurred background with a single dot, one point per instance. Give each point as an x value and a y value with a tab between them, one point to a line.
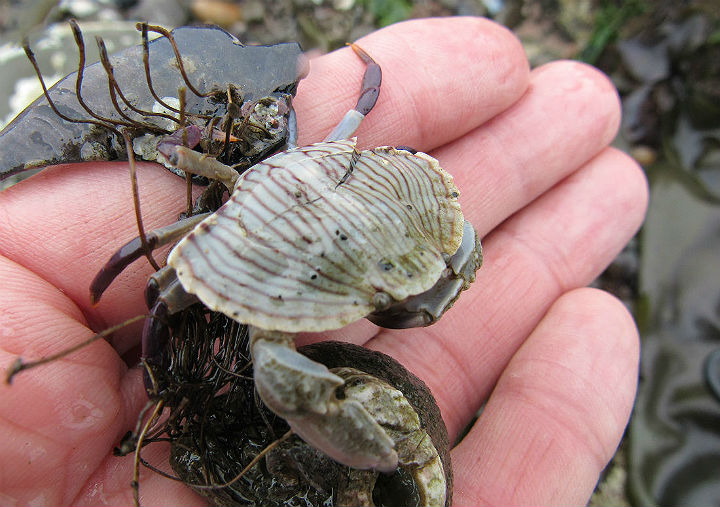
664	58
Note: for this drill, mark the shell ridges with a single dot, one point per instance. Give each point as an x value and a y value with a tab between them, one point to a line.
293	250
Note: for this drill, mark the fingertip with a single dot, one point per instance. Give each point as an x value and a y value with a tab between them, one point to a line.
610	336
585	84
601	342
589	338
633	184
558	411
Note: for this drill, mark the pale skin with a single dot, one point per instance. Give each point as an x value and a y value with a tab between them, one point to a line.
555	363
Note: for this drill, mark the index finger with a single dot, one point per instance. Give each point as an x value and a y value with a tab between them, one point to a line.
442	78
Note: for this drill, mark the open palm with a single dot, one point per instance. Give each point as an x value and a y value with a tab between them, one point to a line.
555	365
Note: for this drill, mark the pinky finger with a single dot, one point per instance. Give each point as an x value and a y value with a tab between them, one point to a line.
557	412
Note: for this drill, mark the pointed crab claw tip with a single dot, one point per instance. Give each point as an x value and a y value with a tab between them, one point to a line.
361	53
95	294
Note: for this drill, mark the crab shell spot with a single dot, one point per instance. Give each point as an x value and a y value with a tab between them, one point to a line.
293	250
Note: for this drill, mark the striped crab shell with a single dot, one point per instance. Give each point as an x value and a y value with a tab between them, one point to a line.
318	237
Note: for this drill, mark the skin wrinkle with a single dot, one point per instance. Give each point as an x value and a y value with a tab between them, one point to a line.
417	121
8	423
513	481
558	262
572	431
413	104
7	224
515	71
25	282
506	168
498	60
593	209
532	454
558	276
88	357
457	423
62	374
517	242
474	397
544	446
35	346
631	349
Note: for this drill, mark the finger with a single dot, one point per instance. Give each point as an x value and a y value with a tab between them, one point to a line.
111	483
59	419
561	241
442	77
558	411
66	222
570	113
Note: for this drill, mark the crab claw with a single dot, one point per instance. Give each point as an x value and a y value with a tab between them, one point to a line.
302	392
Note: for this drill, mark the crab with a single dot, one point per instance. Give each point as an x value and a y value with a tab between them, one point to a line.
312	239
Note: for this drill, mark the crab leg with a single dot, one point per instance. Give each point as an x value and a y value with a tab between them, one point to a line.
370	90
133	250
165	297
203	165
302	392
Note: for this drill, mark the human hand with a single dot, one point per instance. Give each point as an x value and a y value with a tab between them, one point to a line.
555	364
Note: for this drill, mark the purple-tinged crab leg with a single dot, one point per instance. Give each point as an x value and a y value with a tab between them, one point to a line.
164	296
155	336
370	90
133	250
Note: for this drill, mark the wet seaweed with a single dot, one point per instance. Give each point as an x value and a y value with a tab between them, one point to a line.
79	118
